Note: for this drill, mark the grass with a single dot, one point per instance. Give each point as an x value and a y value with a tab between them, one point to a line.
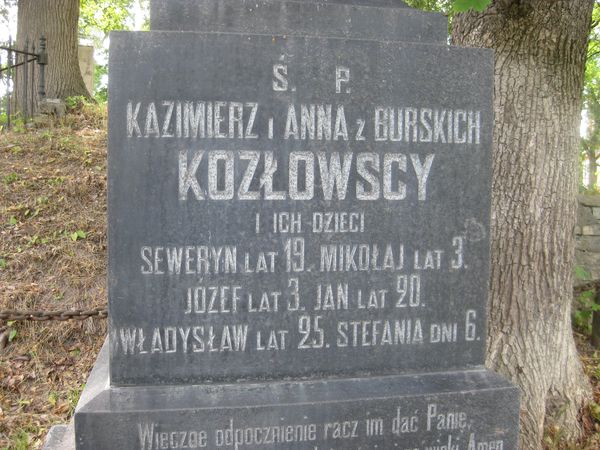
21	439
53	257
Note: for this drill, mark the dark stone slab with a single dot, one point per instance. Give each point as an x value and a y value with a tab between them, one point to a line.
304	18
402	287
428	411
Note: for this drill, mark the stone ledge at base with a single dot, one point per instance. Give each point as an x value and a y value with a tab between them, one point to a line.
60	437
472	409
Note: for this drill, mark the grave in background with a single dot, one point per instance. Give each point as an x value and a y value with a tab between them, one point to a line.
87	66
298	236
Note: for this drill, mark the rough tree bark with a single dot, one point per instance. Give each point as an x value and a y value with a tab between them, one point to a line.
58	21
540	48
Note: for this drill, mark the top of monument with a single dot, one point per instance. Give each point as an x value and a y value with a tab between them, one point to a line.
325	18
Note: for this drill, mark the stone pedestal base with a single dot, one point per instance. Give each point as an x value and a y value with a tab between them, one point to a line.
467	410
60	437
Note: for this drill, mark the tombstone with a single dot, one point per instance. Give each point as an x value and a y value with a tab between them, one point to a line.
87	66
298	242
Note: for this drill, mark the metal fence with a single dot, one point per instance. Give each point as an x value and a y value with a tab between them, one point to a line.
22	80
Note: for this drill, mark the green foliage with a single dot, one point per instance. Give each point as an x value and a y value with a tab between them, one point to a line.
595	411
76	103
590	143
585	304
56	181
10	178
5	6
77	235
17	122
97	18
21	440
584	309
466	5
581	273
73	398
449	6
101	89
12	331
442	6
53	398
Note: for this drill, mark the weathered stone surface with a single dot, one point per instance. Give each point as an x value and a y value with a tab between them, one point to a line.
301	18
590	230
60	437
87	65
588	243
587	234
425	411
589	200
401	288
585	216
588	259
53	107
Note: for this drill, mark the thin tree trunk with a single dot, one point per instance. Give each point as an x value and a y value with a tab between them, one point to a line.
57	20
540	48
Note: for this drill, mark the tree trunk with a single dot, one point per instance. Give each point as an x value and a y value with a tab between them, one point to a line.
57	20
540	51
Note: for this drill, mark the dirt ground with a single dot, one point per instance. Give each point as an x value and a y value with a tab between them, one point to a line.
53	257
